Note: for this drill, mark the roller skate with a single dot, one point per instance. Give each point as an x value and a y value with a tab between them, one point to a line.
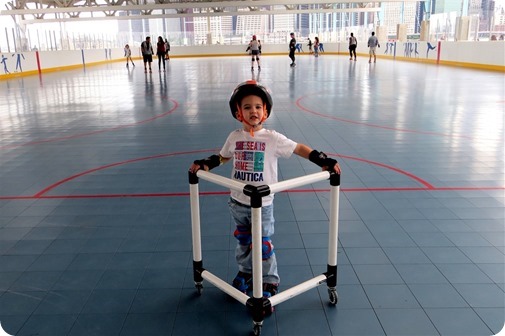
269	290
242	282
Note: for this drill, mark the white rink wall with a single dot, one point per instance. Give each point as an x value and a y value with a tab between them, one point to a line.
482	55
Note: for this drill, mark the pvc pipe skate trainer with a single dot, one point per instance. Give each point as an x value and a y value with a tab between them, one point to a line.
257	304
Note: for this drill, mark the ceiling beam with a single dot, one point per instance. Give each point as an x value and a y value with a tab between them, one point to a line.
203	14
127	6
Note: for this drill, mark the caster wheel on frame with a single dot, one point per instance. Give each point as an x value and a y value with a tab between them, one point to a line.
333	296
257	330
199	288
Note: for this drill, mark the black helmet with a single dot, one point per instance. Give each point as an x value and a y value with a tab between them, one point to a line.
247	88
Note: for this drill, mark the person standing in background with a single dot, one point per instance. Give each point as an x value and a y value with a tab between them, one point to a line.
128	55
147	53
353	44
160	52
292	48
254	46
167	50
373	43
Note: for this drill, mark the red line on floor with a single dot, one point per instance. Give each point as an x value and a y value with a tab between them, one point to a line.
54	185
298	103
80	135
216	193
403	172
70	178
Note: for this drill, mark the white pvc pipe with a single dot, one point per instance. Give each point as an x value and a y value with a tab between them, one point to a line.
220	180
225	287
298	181
296	290
195	222
257	247
333	226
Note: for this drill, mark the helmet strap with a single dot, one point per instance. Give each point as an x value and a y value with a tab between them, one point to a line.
240	118
265	113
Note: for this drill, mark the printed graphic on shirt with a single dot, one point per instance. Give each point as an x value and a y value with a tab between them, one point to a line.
249	161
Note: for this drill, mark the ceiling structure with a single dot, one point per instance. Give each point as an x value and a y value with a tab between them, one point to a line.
38	11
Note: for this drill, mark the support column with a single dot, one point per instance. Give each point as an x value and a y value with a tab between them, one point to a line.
382	33
401	32
425	31
462	28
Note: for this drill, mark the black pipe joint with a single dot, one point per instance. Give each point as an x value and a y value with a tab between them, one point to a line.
193	178
259	308
256	193
197	271
331	276
334	179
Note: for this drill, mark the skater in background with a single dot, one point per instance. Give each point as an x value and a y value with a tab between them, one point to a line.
167	50
160	52
254	47
316	46
254	152
128	55
373	43
353	44
310	46
147	53
292	48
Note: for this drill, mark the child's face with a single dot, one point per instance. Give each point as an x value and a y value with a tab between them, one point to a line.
252	110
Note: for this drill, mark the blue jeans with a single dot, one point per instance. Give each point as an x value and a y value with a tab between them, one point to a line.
242	216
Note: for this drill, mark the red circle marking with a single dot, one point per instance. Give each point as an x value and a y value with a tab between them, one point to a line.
41	193
300	106
80	135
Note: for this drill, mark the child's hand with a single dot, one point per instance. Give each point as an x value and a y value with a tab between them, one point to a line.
206	164
196	167
337	169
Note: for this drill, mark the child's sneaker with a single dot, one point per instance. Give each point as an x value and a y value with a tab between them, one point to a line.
270	289
242	281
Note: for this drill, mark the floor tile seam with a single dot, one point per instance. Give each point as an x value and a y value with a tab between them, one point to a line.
491	281
33	311
464	299
129	312
488	240
369	300
408	287
468	256
483	271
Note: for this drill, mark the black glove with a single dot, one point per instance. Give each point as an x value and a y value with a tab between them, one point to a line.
322	160
212	162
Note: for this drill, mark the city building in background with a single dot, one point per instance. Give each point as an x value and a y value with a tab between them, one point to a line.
24	25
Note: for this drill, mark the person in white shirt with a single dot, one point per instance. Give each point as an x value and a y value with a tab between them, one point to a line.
353	44
128	55
254	151
147	53
255	47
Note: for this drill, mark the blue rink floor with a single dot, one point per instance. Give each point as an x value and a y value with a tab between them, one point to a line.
95	227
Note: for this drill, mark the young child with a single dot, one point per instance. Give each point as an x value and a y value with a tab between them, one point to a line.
254	151
128	55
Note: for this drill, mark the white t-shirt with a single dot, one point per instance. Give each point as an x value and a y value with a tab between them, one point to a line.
255	159
255	45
